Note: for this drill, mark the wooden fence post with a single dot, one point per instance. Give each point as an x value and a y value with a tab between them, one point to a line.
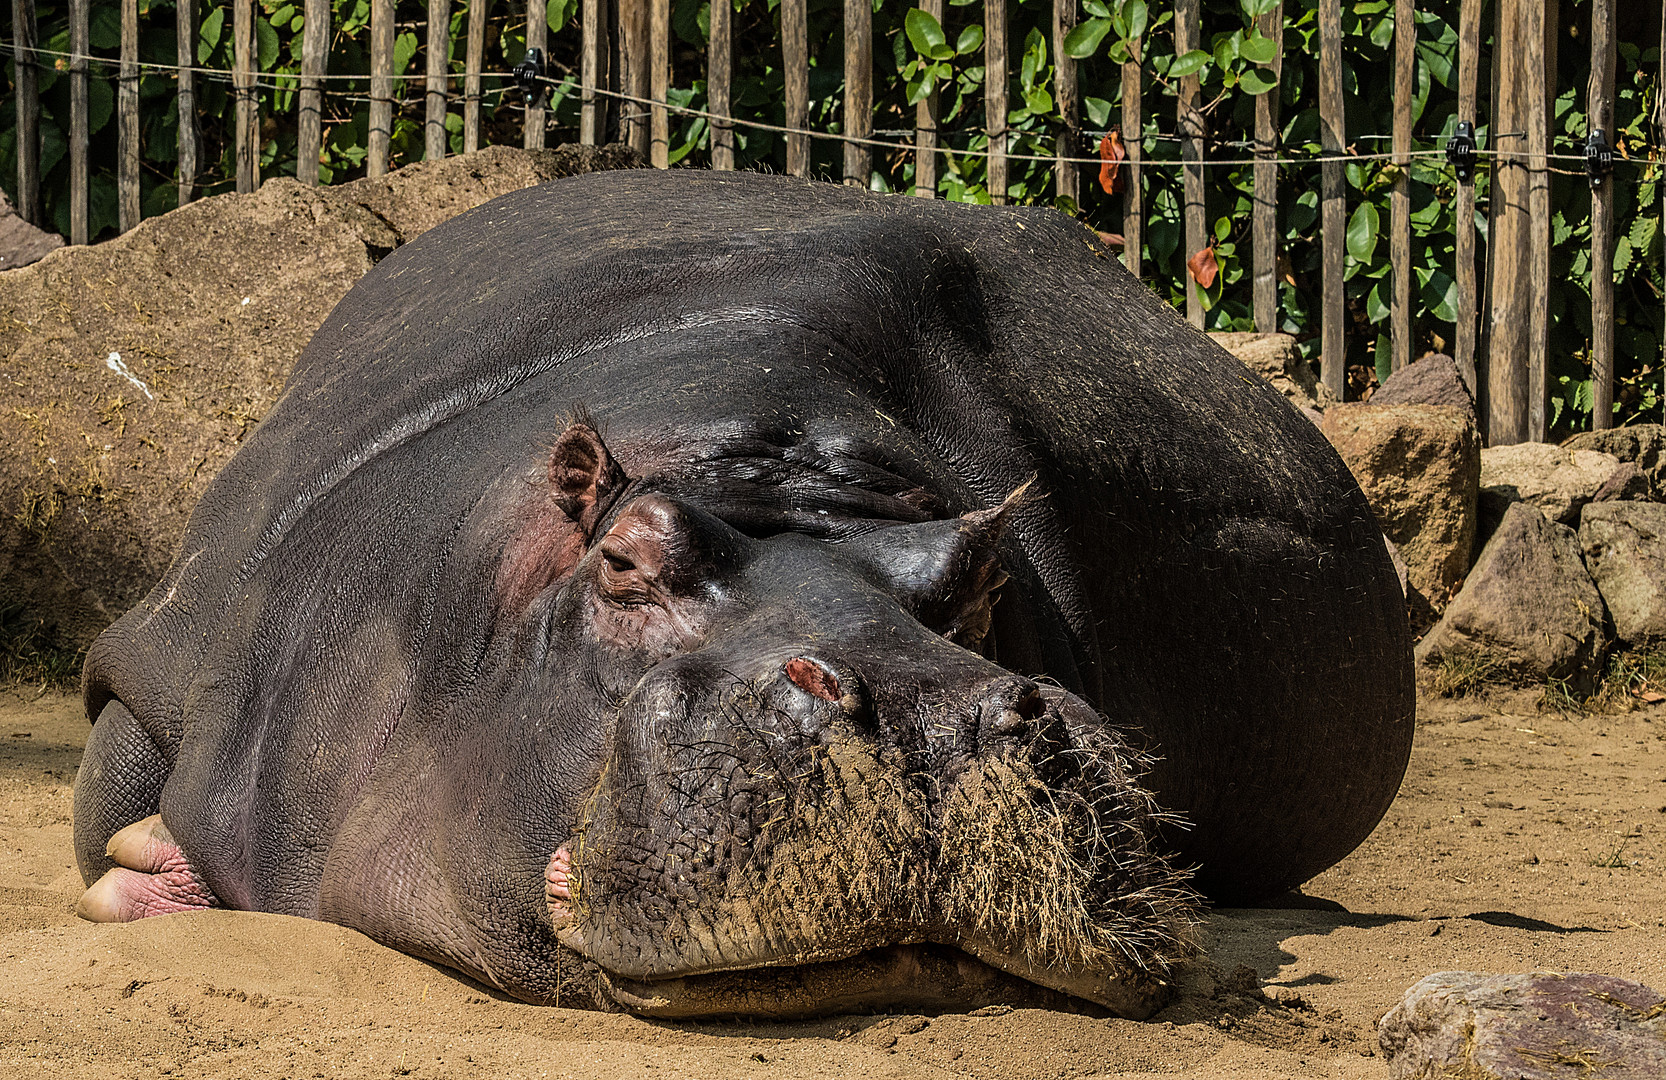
995	76
1518	278
1066	176
474	62
925	126
1133	141
858	112
315	60
719	68
380	137
795	57
659	83
1334	211
127	111
1399	240
634	64
537	37
434	136
25	40
1599	112
80	46
1463	206
1187	30
1264	226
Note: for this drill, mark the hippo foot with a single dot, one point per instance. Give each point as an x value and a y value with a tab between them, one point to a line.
151	877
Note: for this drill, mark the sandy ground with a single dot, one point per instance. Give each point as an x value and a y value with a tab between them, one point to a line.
1522	840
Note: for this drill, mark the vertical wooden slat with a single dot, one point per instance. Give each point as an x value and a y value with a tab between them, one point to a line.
1463	206
79	145
1187	31
474	62
593	33
925	126
127	112
242	83
1264	223
25	40
1333	210
1599	111
1399	240
659	35
1133	141
439	70
995	96
719	68
1512	351
858	113
315	60
537	36
795	60
381	87
1540	108
1066	176
634	62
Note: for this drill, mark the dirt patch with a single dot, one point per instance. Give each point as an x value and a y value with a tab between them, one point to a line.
1521	840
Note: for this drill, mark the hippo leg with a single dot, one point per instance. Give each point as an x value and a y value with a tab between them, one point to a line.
120	782
151	877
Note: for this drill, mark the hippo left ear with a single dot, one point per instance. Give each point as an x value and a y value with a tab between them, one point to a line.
945	572
584	476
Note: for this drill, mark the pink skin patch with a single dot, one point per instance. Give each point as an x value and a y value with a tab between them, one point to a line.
813	678
151	877
558	883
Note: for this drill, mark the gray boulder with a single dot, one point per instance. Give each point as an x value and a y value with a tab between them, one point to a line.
1539	1026
1629	484
1433	380
1278	359
1624	544
1419	466
1556	480
1528	606
20	242
1644	445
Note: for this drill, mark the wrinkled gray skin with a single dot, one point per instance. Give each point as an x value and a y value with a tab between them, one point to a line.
736	654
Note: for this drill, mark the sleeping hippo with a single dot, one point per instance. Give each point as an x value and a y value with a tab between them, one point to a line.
717	594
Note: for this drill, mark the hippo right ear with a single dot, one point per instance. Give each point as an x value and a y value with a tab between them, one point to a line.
584	476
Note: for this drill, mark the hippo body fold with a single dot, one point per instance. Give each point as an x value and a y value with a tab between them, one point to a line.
393	669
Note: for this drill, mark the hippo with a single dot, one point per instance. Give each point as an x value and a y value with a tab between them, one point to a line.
714	594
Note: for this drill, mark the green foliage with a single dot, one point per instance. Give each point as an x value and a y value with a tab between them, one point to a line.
917	56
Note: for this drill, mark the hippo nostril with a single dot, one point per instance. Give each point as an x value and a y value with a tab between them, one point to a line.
1031	705
1010	710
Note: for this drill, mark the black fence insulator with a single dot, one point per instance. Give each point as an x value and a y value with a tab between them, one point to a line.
1460	150
529	76
1599	158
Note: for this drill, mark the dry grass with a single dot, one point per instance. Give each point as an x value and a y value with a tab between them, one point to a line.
30	654
1460	674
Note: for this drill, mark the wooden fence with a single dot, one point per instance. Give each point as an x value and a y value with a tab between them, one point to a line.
1506	320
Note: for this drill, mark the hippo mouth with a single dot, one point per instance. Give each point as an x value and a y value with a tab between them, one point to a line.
801	875
920	978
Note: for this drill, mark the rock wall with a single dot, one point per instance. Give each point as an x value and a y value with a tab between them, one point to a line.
131	370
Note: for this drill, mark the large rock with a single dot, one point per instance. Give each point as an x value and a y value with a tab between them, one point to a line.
1542	1026
1278	359
1528	607
1624	544
20	242
1419	466
1433	380
1556	480
1641	444
130	370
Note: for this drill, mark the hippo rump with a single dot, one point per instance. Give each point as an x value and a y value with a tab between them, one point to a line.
725	594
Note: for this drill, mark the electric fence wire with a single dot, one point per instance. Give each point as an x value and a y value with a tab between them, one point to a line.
293	82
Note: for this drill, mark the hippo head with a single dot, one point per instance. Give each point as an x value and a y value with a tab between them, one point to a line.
816	794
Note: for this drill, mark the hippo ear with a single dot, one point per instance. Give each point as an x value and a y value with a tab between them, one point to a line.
584	476
945	572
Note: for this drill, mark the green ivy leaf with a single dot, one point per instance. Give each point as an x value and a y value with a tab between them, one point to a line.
971	39
404	48
557	12
1255	81
1135	14
1039	100
1118	52
1362	233
266	44
1095	7
1258	50
1188	64
924	32
209	35
1099	111
1084	38
1440	296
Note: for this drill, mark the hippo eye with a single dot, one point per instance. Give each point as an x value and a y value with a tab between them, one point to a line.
617	563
